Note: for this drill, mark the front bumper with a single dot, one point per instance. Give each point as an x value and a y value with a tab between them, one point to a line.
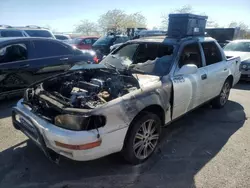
45	135
245	74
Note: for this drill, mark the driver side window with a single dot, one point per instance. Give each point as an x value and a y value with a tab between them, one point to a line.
191	54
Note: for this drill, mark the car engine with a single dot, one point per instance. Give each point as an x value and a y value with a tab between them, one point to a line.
89	89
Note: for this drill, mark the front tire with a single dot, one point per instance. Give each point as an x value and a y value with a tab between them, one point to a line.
142	138
221	100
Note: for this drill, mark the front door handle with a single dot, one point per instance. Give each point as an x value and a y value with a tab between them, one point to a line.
64	59
204	76
225	69
24	66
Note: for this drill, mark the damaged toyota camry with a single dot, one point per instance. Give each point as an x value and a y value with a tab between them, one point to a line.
121	104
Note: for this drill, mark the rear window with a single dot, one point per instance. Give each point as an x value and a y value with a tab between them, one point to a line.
39	33
106	40
9	33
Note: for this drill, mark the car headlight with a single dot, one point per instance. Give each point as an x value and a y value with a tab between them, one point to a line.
244	66
79	123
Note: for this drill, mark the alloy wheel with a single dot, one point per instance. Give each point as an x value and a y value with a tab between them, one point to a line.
146	139
225	93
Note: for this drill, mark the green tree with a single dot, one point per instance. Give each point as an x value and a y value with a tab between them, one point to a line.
87	27
118	20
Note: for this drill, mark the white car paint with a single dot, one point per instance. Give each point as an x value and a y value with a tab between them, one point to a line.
189	91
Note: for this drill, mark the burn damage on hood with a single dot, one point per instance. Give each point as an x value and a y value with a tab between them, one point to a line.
80	91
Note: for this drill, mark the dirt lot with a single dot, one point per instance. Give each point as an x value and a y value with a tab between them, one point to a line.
206	148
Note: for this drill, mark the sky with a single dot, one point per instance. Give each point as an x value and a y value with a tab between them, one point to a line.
63	15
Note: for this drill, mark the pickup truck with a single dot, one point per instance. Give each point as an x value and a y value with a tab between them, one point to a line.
121	104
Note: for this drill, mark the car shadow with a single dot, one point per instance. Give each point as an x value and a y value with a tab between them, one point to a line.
187	146
243	85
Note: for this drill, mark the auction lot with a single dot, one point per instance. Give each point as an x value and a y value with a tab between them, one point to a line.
206	148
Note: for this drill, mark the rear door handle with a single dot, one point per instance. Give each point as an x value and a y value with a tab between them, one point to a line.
24	66
204	76
64	59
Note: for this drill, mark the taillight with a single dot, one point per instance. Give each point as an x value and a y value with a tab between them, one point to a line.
96	60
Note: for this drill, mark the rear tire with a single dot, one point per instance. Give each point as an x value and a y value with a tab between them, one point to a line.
142	138
221	100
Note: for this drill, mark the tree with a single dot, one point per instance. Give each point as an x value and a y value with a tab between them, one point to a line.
241	25
135	20
87	27
114	19
118	20
212	23
184	9
243	29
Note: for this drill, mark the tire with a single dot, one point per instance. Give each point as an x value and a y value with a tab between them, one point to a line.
139	143
221	100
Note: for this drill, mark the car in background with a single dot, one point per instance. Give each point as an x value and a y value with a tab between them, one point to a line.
26	60
26	31
240	48
62	37
103	44
84	43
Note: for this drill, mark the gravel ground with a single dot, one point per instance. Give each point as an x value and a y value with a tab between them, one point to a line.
206	148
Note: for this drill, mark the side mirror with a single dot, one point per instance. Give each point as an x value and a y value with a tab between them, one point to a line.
188	69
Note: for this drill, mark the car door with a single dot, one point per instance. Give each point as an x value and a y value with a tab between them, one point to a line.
217	71
14	65
188	90
50	57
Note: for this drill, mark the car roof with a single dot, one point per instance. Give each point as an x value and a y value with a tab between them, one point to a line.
4	39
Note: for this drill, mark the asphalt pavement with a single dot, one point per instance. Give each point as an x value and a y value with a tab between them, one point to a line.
206	148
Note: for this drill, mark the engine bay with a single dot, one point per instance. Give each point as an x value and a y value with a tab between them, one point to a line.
89	89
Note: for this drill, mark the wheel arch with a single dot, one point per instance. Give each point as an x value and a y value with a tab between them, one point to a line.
154	108
230	78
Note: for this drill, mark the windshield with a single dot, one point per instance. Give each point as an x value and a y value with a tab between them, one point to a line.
9	33
105	40
39	33
238	46
148	58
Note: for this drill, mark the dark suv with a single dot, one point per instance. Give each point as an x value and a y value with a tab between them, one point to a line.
26	60
103	44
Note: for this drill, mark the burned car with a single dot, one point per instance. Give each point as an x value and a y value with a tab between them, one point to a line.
121	104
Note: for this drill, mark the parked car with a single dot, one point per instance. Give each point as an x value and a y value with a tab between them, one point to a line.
240	48
27	31
84	43
62	37
122	103
26	60
103	44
